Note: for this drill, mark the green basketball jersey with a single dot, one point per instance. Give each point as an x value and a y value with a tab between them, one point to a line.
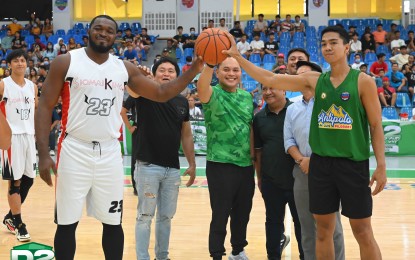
339	126
228	119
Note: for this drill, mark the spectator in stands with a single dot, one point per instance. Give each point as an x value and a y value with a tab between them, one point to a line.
43	72
118	40
30	65
380	35
257	45
71	44
18	41
35	31
410	43
33	75
63	50
40	43
411	60
378	65
396	79
211	24
357	61
275	26
271	46
379	80
396	43
286	25
53	131
243	47
352	31
46	63
190	41
282	69
58	45
298	25
38	54
402	57
194	111
131	54
15	27
355	44
146	40
391	34
6	73
171	48
128	37
47	28
179	39
222	25
260	24
387	94
3	67
188	64
237	31
49	52
411	80
7	41
85	40
280	61
78	46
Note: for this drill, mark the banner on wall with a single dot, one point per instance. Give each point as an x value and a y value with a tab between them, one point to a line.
399	137
317	4
188	5
61	6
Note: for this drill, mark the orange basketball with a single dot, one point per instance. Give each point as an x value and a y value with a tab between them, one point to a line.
210	44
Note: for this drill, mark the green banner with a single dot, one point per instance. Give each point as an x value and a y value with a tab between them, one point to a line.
399	138
199	136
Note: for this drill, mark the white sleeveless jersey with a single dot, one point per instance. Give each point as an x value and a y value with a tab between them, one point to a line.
19	106
92	97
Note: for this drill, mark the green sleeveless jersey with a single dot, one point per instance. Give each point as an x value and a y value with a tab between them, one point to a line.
228	119
339	126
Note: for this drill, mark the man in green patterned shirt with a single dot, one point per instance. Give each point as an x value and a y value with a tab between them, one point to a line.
229	170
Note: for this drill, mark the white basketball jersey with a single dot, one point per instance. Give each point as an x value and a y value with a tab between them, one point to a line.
92	97
19	104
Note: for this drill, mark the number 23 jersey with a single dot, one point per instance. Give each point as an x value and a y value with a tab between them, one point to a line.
92	97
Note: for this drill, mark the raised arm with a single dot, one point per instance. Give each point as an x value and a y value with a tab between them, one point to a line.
368	95
204	90
51	91
150	89
268	78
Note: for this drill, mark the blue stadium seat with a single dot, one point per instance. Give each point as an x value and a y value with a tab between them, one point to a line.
124	25
78	26
407	110
249	85
333	22
60	32
390	113
346	23
268	65
136	26
179	54
312	49
382	49
357	22
255	58
314	58
188	52
269	58
298	44
285	35
326	66
370	57
402	100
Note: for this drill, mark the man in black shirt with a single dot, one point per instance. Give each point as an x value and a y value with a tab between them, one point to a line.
271	46
128	37
236	31
190	41
160	128
368	43
179	39
274	170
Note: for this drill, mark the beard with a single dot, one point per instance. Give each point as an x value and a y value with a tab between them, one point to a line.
98	48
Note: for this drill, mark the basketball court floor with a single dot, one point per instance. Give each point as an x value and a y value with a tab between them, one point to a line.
393	220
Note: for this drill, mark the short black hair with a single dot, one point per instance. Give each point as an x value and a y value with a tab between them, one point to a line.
379	24
103	16
410	31
380	55
299	50
43	67
261	15
236	22
222	19
403	47
179	27
144	29
278	16
211	20
164	60
357	54
192	28
313	66
17	54
363	65
188	58
397	31
337	29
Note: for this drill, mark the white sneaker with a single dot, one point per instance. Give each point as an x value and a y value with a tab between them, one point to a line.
21	234
52	153
240	256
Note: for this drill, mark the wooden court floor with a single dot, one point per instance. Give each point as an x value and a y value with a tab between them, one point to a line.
393	222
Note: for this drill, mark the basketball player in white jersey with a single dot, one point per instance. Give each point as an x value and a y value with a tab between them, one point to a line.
89	167
5	133
19	100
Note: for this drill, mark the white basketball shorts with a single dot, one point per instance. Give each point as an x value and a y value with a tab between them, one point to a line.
20	158
91	172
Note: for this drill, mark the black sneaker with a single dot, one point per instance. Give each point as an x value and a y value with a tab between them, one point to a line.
284	242
21	233
8	223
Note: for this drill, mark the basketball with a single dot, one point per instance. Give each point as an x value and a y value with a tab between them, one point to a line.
210	44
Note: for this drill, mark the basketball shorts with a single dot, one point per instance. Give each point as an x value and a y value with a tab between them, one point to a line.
90	172
333	180
20	158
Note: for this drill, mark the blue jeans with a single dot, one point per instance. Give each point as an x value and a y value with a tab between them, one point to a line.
157	186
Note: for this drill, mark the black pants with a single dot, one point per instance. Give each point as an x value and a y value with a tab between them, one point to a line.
275	200
231	189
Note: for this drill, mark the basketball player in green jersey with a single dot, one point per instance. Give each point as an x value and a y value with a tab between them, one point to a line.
5	133
346	107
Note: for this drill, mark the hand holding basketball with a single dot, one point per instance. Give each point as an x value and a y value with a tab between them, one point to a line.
210	44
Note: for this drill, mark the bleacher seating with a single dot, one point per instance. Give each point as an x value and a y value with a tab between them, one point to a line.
407	110
268	58
390	113
402	100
